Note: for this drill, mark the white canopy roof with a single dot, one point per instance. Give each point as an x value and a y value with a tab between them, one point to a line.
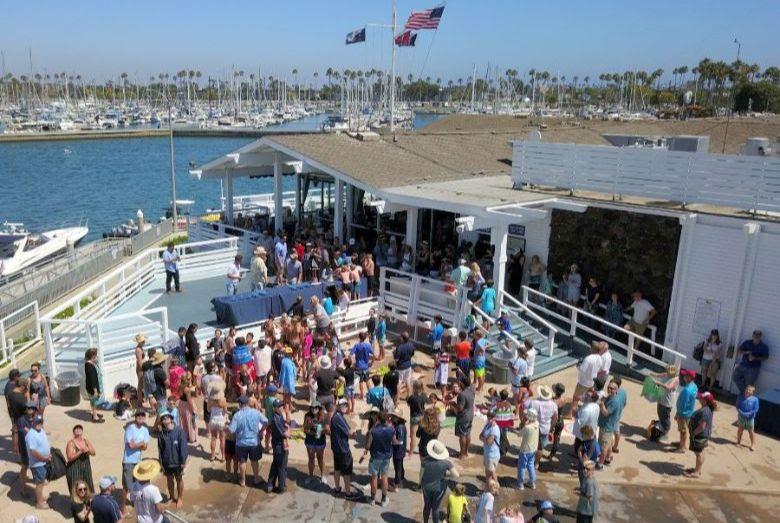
254	159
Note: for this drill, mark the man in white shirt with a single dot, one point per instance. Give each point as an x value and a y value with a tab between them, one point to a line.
606	358
587	371
547	411
263	355
643	312
280	257
234	275
530	356
587	414
259	269
145	496
171	261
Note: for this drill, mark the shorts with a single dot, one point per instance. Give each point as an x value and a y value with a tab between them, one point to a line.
176	472
463	428
362	375
317	448
349	392
415	420
342	463
248	453
95	402
479	373
606	438
39	474
436	346
127	475
744	423
682	424
638	328
491	464
327	401
544	440
698	444
405	376
378	467
230	448
217	423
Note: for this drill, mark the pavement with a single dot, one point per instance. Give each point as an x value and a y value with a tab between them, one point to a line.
645	482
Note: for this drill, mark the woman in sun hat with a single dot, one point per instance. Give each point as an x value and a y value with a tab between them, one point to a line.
436	467
314	440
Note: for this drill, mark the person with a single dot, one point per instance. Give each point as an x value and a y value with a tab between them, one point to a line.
325	377
247	424
547	416
622	400
643	313
545	514
38	456
712	349
491	454
487	301
216	407
437	333
80	501
464	414
259	270
589	450
686	404
668	381
486	504
609	420
530	355
519	369
529	442
587	371
436	468
145	496
613	313
280	256
287	375
234	275
340	432
747	410
104	506
192	347
24	425
536	270
515	271
136	441
458	505
380	443
403	360
399	449
588	492
700	426
155	380
441	375
173	451
462	350
93	379
416	402
171	260
391	379
381	336
362	354
587	415
78	451
314	437
39	388
753	352
461	273
376	394
293	269
428	430
573	285
592	296
280	444
606	359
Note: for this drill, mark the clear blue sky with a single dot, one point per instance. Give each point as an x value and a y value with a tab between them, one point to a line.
101	39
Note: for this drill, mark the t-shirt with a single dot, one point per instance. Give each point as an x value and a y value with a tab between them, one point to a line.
327	305
488	299
545	409
390	380
622	399
169	259
686	400
293	269
233	273
339	434
606	362
325	379
455	506
589	369
485	508
609	422
433	472
134	434
36	440
530	357
587	414
280	251
491	450
703	414
263	360
462	350
362	354
376	395
757	350
417	404
105	509
144	498
642	310
17	404
520	366
437	332
403	355
246	425
465	406
382	442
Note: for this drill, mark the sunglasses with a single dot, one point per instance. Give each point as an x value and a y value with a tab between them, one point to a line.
81	490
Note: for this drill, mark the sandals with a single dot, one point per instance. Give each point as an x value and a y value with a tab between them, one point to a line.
98	420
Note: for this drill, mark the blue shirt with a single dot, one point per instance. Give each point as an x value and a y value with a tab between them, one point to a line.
403	355
327	304
622	400
241	355
134	434
399	449
488	300
278	428
381	329
608	422
246	425
756	350
382	442
747	407
376	395
591	449
362	353
437	332
105	509
280	251
36	440
686	401
491	450
521	366
339	434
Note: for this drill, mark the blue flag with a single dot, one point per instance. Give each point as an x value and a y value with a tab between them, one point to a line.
356	36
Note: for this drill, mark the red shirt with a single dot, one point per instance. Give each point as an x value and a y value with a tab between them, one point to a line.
462	349
300	249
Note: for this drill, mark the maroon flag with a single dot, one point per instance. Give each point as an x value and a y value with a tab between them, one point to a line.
406	39
427	19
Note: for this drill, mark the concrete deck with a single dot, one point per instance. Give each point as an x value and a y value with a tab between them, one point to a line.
645	483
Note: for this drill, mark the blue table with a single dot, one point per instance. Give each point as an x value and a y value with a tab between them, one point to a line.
251	307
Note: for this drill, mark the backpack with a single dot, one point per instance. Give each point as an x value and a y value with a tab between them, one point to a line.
698	352
148	382
55	469
387	403
654	430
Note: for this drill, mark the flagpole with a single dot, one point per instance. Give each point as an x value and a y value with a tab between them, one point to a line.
392	75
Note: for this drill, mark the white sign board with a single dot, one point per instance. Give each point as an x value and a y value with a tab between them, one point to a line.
706	316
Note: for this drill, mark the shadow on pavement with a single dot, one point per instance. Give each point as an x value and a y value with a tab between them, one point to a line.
664	467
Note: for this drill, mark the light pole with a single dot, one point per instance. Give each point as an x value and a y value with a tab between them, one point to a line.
174	210
739	47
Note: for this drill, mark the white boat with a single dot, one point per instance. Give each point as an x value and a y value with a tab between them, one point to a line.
20	248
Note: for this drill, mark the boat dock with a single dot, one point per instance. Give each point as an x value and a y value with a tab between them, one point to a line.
142	133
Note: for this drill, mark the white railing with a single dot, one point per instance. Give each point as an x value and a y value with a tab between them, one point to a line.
246	240
742	182
250	202
575	324
491	321
514	304
8	348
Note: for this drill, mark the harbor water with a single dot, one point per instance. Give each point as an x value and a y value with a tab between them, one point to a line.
50	184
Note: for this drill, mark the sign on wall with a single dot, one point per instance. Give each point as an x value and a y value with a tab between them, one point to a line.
706	316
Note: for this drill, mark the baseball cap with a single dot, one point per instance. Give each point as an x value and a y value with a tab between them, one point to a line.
546	505
271	389
688	372
705	396
166	414
341	402
243	400
107	481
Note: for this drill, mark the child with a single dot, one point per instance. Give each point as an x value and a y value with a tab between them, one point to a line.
457	504
271	393
479	365
381	336
173	408
559	390
492	398
441	378
437	333
231	460
590	450
399	451
371	327
503	325
470	322
747	408
123	409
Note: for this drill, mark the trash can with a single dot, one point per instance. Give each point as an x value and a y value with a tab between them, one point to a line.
500	368
69	385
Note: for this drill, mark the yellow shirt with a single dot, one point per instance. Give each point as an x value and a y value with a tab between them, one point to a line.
455	506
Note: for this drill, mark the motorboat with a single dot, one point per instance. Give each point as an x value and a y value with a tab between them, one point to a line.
20	248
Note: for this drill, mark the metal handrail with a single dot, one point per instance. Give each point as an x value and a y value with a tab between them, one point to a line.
551	329
492	321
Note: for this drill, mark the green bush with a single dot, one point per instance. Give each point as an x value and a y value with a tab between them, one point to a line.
759	97
177	240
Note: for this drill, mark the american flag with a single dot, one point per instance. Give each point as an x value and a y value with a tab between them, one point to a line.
427	19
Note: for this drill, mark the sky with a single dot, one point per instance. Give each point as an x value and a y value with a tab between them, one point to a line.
102	39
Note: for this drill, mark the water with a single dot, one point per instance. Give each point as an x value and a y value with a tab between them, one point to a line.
52	184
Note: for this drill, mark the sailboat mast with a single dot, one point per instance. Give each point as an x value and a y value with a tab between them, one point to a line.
392	74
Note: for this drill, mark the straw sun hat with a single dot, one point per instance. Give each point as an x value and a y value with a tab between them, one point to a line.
437	450
544	392
140	338
146	470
